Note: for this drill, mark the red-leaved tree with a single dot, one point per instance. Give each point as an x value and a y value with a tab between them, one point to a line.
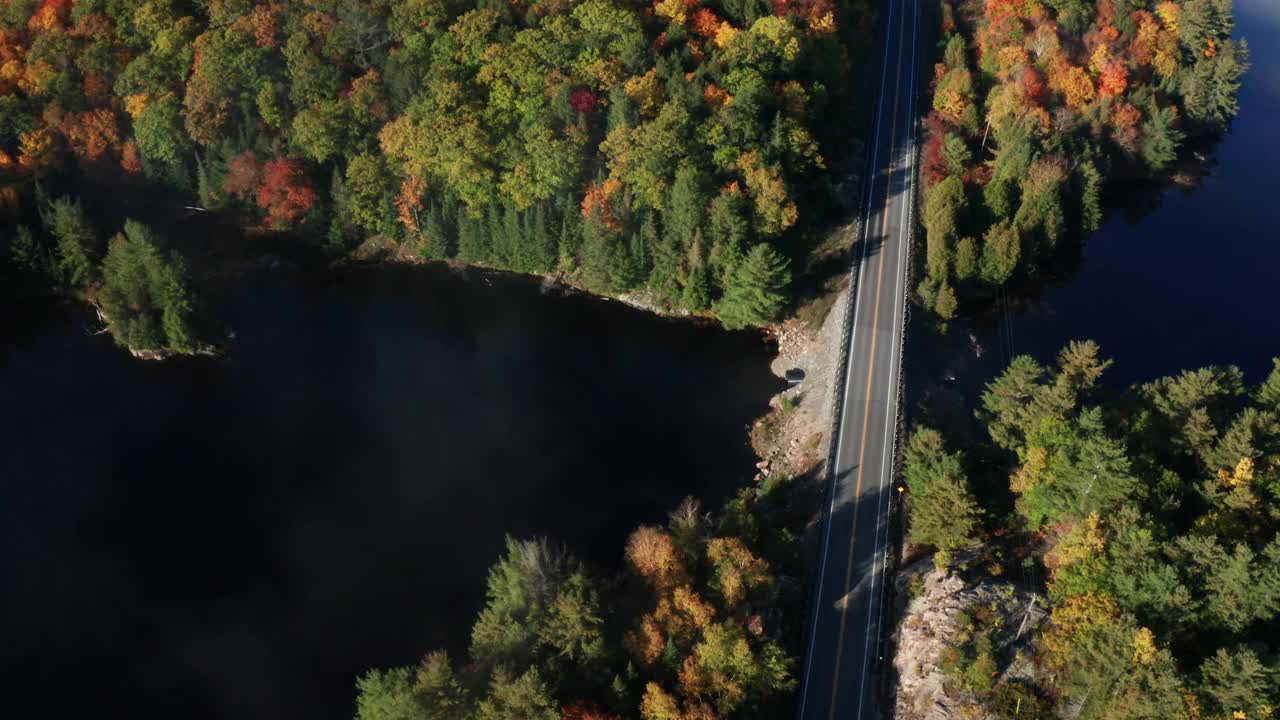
285	193
586	710
583	100
935	169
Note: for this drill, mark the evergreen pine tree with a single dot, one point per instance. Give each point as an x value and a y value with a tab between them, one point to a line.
1001	248
517	253
943	206
727	230
144	295
29	255
392	694
342	231
944	513
1268	393
966	258
205	191
1090	196
569	242
627	265
955	154
1214	85
954	55
1235	679
648	236
618	689
945	303
525	249
666	278
437	245
540	241
599	244
937	255
755	295
495	229
1009	402
1163	138
697	289
622	109
438	688
76	242
473	238
686	204
43	204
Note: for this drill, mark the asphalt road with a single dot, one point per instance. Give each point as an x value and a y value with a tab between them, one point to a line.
843	668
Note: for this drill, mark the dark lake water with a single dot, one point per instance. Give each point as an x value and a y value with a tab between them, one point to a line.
239	538
1173	280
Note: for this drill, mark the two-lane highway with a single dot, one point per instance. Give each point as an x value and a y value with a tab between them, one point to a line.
842	665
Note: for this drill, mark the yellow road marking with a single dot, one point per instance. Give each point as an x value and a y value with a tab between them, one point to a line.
866	413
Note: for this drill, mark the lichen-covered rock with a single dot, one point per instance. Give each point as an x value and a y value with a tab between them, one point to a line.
930	605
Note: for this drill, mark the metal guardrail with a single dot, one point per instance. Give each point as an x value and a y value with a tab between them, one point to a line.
838	388
846	323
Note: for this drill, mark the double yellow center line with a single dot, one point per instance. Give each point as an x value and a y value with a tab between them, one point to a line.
866	411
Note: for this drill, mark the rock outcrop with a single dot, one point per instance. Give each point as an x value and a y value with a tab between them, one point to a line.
929	609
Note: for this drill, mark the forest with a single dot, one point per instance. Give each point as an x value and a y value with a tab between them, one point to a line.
1037	106
1153	515
672	146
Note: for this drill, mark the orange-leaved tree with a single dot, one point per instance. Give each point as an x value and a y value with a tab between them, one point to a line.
285	194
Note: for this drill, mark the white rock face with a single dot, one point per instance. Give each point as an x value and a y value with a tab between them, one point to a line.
929	625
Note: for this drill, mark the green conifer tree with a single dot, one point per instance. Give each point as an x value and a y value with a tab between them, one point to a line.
144	294
76	242
30	256
945	304
1001	249
599	245
437	245
697	290
667	277
727	230
1090	196
518	256
542	243
1268	393
622	109
686	204
756	294
473	238
1236	680
1162	138
942	208
498	241
205	191
966	258
943	512
341	234
569	243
